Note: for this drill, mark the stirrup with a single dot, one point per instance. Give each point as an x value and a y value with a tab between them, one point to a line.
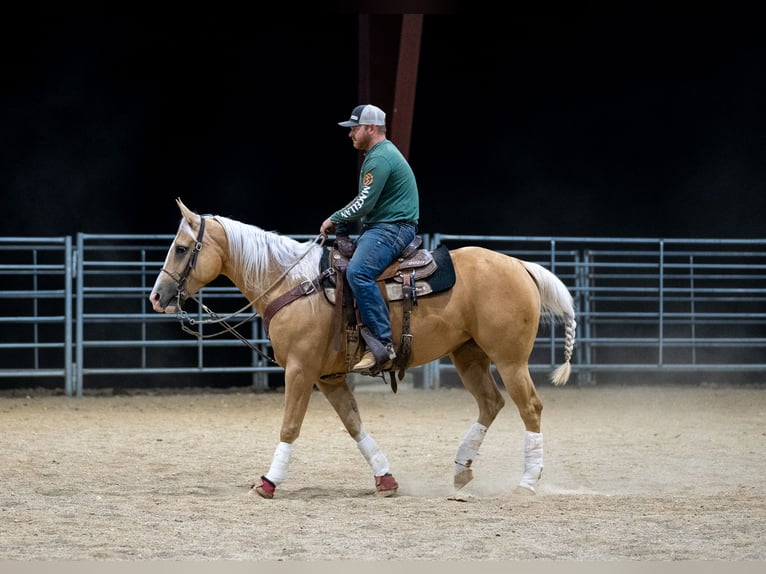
370	365
365	364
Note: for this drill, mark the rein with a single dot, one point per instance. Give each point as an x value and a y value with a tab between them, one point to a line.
185	319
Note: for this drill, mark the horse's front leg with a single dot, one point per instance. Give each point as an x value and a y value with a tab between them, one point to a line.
343	401
298	389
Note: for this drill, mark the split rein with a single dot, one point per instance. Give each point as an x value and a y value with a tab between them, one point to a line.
186	320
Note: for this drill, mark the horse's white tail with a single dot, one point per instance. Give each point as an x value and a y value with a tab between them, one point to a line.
557	308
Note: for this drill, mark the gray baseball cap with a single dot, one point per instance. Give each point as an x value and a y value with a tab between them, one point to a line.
365	115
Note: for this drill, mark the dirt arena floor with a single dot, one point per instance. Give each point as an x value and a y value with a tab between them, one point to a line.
632	473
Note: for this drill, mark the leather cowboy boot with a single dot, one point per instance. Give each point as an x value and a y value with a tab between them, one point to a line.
378	357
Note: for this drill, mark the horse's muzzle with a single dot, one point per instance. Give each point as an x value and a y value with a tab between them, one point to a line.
167	307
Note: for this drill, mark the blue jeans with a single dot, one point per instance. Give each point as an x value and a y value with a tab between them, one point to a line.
376	248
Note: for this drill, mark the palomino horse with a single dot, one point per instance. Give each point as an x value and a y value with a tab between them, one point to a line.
490	315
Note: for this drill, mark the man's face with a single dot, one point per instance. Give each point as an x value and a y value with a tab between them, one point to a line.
360	136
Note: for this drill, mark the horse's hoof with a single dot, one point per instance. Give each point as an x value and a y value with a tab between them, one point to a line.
385	485
525	490
462	478
264	488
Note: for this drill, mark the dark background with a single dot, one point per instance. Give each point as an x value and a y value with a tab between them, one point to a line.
595	120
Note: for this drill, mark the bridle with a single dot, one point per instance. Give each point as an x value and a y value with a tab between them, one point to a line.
190	264
183	317
186	320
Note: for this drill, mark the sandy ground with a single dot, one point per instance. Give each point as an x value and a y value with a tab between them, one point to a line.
634	473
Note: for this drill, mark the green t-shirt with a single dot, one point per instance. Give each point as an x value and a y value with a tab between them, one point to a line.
387	189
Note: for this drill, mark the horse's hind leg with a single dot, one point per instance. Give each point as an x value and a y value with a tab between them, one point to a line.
343	401
473	366
521	389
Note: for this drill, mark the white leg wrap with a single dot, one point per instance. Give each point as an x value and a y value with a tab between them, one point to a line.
533	459
469	448
278	469
374	456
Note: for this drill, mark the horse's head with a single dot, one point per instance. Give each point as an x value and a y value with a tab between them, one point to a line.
193	260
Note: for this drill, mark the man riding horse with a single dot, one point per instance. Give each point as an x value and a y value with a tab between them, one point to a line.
387	205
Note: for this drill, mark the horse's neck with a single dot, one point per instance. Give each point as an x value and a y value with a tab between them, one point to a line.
258	285
258	294
266	265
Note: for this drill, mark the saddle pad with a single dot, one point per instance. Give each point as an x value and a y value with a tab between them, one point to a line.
441	279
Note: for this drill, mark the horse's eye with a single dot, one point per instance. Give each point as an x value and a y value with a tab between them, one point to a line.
180	249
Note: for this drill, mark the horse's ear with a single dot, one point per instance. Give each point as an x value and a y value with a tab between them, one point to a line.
187	213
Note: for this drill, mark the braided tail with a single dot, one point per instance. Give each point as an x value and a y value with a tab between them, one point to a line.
557	308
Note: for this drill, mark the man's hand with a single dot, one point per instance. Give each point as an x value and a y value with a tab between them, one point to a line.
327	227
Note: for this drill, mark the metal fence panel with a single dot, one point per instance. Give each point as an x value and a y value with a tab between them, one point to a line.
649	305
36	309
643	305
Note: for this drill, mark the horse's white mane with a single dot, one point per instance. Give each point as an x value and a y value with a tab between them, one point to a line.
257	251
